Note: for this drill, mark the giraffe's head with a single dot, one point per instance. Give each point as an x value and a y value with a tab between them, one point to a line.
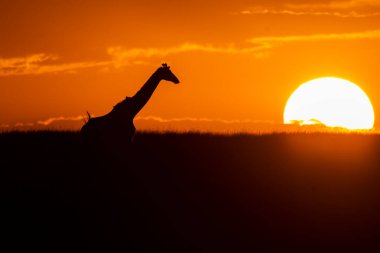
166	74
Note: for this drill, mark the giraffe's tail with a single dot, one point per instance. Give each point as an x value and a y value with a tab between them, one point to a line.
88	117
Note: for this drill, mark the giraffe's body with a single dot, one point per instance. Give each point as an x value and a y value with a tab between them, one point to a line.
102	130
116	127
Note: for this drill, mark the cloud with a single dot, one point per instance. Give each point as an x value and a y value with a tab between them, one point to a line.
122	56
42	64
193	119
351	14
259	47
340	9
50	121
53	120
38	64
53	123
340	5
23	64
21	124
215	125
270	42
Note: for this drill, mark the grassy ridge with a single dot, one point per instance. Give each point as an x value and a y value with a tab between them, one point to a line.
192	192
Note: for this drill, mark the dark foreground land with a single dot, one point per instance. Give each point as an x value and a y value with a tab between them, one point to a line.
191	193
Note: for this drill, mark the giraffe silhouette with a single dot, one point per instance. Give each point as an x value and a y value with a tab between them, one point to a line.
117	126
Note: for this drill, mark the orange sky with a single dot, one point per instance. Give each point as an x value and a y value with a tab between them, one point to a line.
238	61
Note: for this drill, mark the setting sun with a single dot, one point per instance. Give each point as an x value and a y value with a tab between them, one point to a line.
332	102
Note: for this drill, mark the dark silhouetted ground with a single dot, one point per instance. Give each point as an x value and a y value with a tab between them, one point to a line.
191	193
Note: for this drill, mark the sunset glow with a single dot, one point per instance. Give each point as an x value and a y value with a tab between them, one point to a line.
238	61
332	102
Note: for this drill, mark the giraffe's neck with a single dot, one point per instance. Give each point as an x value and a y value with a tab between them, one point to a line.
139	100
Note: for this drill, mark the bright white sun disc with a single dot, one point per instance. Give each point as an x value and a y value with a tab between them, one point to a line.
330	101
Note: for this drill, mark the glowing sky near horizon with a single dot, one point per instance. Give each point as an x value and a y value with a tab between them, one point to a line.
238	61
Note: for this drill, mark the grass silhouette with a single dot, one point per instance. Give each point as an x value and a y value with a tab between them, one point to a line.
192	192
